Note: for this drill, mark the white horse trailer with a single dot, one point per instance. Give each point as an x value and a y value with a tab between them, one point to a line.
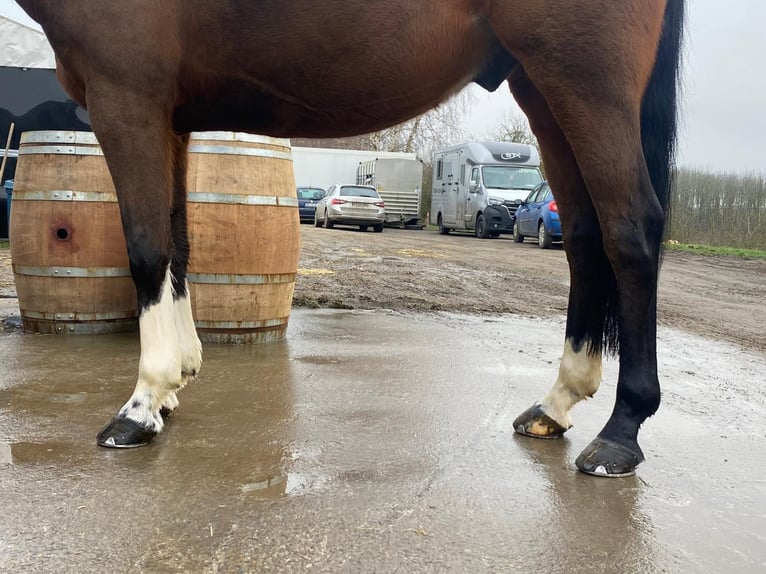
399	183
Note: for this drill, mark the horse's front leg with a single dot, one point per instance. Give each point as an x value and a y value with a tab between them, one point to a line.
140	159
159	374
190	345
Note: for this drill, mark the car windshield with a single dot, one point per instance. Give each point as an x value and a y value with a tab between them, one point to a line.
358	191
310	193
507	177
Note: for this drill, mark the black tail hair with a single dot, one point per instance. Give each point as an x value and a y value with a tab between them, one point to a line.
660	104
659	111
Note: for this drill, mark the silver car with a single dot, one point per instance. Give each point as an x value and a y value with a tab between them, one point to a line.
358	205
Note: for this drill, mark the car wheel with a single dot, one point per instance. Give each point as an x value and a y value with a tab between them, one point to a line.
362	228
327	223
517	237
317	221
377	228
543	239
481	230
443	230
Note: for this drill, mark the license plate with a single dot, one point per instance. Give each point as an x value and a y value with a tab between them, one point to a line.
311	204
359	205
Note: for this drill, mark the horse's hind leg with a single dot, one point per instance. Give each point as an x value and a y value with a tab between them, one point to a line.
579	373
191	348
593	85
137	141
607	143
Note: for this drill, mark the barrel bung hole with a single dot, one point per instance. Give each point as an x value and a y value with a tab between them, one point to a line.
62	233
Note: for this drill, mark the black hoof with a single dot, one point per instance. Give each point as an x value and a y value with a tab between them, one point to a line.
165	412
124	433
535	423
607	458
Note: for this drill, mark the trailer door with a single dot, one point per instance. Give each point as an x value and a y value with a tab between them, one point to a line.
450	190
471	196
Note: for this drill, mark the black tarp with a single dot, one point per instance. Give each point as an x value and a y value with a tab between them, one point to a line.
33	100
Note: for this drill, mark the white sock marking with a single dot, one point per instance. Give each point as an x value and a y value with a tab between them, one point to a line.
159	369
188	341
579	378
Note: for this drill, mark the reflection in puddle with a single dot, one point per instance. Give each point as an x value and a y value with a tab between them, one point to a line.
6	456
37	452
272	486
319	360
612	509
298	483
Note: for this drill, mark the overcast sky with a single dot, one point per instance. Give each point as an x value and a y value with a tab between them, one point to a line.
723	115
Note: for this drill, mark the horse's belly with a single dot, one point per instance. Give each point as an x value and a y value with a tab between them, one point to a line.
340	110
352	71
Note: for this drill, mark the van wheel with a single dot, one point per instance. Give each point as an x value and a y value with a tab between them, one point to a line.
481	230
517	237
543	239
443	230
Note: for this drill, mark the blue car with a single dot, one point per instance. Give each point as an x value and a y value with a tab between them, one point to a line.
308	197
538	216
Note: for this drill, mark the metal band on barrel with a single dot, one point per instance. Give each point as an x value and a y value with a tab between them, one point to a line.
240	137
242	199
66	195
59	150
67	316
236	279
241	325
59	137
233	150
71	272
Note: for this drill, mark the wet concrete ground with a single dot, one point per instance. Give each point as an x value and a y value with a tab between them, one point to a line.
375	442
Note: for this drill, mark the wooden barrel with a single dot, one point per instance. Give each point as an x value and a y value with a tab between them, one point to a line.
70	263
245	236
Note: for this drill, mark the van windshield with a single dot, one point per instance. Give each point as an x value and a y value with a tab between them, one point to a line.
508	177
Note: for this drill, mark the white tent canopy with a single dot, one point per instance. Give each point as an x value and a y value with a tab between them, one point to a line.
23	43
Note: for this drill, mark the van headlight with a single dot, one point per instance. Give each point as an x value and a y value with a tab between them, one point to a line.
494	201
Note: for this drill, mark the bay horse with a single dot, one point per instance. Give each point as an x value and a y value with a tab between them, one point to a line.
598	80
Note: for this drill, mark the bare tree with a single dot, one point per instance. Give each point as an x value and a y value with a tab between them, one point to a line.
426	133
723	209
515	128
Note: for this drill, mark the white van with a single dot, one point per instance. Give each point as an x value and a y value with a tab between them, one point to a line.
478	186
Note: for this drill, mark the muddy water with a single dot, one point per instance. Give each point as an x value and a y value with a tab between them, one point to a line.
375	442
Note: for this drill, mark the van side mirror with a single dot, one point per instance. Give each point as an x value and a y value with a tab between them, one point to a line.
473	186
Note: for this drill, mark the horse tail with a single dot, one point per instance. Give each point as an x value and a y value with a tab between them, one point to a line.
659	107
